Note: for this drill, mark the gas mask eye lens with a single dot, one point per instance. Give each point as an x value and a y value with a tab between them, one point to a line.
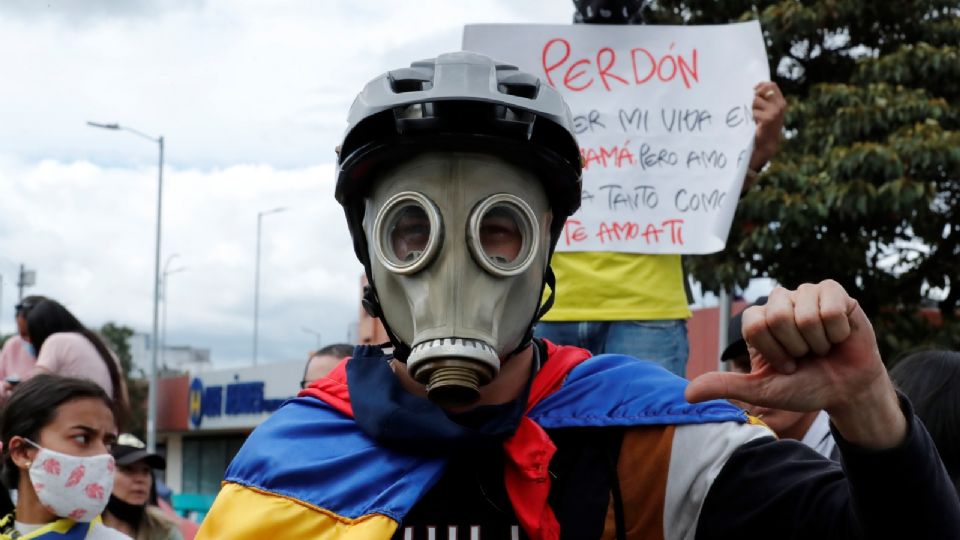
502	234
407	229
410	233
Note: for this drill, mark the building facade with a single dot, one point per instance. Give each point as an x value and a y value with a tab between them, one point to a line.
204	417
170	358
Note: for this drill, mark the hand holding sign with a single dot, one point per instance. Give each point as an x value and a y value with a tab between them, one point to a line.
769	107
811	349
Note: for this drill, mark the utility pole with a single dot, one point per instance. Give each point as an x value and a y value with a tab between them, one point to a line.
27	278
154	340
256	282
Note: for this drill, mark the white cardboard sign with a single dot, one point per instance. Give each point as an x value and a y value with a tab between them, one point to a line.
663	116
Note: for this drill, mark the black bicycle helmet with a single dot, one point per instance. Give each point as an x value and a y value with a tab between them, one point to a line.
460	101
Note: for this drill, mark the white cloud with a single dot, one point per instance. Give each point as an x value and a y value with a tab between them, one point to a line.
227	81
75	13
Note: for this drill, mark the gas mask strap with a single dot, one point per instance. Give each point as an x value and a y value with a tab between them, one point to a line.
549	280
537	355
371	304
400	350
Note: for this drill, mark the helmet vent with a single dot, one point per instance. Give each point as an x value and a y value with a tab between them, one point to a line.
409	80
409	112
522	85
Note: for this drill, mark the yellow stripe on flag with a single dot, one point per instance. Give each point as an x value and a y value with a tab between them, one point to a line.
246	513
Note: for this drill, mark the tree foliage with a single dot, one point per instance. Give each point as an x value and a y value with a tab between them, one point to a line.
865	188
117	338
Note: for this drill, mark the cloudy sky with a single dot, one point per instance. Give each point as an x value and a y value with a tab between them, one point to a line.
251	97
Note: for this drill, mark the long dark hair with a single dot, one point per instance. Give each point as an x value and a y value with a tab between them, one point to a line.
48	317
23	306
931	380
33	404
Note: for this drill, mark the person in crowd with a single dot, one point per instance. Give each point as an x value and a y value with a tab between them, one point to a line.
188	528
56	434
132	508
812	428
323	360
66	347
17	358
931	379
456	175
630	303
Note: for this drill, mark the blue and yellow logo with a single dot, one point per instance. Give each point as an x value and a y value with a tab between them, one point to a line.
242	398
196	402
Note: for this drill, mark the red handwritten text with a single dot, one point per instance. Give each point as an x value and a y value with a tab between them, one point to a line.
614	72
668	231
605	156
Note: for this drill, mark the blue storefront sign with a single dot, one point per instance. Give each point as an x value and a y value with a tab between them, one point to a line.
242	398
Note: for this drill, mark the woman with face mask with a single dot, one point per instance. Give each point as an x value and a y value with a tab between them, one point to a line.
57	432
132	507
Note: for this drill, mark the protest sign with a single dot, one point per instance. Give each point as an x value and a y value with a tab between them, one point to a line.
663	116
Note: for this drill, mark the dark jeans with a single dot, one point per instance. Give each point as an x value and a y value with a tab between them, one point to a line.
664	342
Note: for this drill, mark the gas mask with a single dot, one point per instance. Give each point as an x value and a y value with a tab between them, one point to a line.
458	246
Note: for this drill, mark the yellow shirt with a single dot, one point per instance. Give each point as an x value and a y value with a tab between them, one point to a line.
608	286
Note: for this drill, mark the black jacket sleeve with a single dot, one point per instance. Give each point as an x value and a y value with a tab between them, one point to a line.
784	490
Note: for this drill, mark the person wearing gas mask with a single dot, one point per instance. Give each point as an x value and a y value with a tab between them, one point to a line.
456	175
57	433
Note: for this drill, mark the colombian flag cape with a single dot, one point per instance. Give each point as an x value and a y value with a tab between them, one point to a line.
310	471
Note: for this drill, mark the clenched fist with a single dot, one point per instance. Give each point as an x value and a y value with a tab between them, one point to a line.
811	349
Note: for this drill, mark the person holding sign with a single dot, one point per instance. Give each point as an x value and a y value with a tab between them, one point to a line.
456	175
636	303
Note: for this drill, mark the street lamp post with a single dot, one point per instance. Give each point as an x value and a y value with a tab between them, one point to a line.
314	332
256	281
152	398
27	278
163	295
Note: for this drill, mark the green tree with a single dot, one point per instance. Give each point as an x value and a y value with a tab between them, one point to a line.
117	338
865	188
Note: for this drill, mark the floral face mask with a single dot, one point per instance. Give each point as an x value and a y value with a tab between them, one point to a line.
75	487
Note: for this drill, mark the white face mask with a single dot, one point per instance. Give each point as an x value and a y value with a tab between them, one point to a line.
73	487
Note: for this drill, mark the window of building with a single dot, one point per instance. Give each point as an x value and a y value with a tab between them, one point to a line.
205	459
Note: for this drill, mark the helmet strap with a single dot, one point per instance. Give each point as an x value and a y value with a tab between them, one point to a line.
549	280
371	304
